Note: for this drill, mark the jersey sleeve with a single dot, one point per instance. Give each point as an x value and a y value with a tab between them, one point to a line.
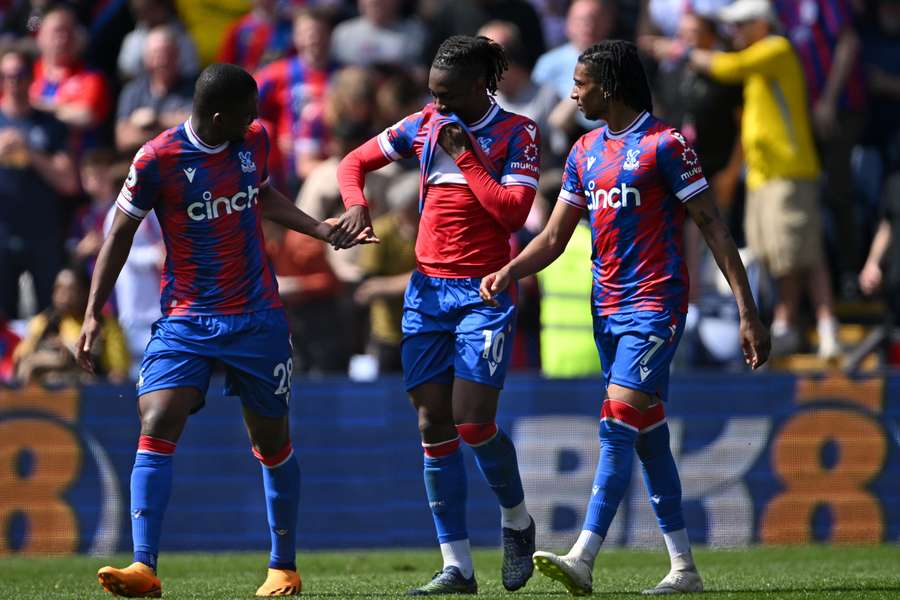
140	191
523	158
679	165
396	142
572	191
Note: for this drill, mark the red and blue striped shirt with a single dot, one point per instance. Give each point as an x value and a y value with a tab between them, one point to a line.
634	185
814	27
207	202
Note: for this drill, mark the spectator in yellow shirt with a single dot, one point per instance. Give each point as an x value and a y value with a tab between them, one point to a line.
782	220
45	355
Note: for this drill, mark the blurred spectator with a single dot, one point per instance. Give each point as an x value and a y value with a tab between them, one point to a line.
310	292
287	85
664	16
782	222
8	342
261	36
516	92
884	254
76	95
703	110
587	23
207	23
137	287
379	35
399	94
350	98
149	15
101	182
881	59
387	267
567	326
45	355
35	169
465	17
828	46
159	98
553	20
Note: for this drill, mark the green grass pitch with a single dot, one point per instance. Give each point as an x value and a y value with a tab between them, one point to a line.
814	572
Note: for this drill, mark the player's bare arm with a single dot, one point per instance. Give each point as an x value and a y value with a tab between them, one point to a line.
754	336
277	208
538	254
110	261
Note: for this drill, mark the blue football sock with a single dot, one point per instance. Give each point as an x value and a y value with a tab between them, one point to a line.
151	484
497	461
281	481
618	432
661	477
447	488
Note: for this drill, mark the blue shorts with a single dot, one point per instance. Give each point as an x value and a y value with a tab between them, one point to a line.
255	349
636	348
448	331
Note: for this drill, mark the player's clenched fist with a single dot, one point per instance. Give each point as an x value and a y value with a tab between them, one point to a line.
493	284
453	140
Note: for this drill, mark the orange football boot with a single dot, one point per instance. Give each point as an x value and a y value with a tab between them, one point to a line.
137	580
281	582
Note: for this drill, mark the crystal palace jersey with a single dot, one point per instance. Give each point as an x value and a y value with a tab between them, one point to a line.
207	202
457	236
633	185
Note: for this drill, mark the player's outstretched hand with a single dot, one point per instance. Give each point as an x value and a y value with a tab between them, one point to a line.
755	342
493	284
366	236
90	331
349	226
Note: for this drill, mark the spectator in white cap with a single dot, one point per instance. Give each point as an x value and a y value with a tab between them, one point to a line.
782	221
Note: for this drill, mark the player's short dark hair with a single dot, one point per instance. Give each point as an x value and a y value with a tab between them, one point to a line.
220	86
478	53
616	67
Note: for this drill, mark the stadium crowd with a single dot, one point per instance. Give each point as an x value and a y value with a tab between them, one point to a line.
793	107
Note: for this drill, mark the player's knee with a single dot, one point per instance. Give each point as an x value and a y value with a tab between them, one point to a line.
273	458
158	422
435	425
477	434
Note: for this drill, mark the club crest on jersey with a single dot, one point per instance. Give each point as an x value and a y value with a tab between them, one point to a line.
631	160
485	143
247	164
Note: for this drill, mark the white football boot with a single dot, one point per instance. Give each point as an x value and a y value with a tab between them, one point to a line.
678	582
573	573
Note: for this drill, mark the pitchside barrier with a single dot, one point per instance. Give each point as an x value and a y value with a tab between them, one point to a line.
764	459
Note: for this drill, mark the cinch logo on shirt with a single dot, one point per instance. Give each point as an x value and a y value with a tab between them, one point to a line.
617	197
210	209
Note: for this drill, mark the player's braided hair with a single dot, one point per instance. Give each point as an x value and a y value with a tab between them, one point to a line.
614	65
473	52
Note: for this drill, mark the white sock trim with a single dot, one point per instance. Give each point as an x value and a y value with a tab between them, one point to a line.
516	517
587	546
458	553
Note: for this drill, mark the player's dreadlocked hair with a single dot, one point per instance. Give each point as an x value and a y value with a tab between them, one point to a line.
614	65
473	52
